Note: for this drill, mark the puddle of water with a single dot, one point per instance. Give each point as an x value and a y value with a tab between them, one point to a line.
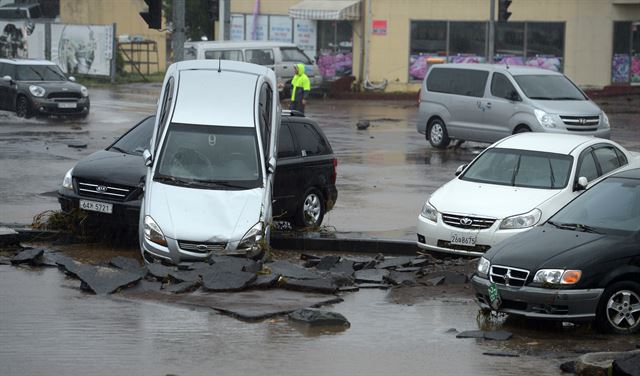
50	327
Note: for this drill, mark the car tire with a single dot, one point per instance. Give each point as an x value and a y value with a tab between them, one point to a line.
311	210
615	312
522	129
437	134
22	107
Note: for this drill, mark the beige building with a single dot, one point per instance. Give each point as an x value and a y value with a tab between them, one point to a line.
124	13
594	42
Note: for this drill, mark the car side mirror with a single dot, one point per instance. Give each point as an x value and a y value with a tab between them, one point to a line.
72	79
7	78
460	169
271	167
148	158
582	183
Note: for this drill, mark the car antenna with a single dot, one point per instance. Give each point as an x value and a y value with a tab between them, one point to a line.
219	63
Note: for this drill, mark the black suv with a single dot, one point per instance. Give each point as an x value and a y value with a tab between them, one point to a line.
38	87
110	181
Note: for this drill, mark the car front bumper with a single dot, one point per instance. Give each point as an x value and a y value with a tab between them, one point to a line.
44	107
541	303
123	211
173	253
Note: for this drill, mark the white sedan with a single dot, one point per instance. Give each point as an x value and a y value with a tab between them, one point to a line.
513	185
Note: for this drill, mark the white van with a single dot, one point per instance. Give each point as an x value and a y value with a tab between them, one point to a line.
210	162
279	56
485	103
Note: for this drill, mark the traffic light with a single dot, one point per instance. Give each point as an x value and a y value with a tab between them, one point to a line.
503	10
214	10
153	16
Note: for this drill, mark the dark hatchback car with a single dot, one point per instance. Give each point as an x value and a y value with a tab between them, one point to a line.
582	264
39	88
110	182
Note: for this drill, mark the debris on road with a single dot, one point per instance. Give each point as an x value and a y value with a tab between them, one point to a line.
319	317
28	256
496	335
102	280
600	363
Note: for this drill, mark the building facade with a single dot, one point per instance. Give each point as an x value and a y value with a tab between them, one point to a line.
391	43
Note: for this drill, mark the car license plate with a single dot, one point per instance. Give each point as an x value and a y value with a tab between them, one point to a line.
67	105
100	207
463	239
494	297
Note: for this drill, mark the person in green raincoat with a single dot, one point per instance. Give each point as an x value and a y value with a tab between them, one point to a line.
300	87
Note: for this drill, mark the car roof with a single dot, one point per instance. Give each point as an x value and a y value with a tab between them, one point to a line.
27	62
514	70
547	142
633	173
238	44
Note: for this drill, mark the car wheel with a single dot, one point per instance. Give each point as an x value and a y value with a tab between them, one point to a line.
22	108
311	211
437	134
619	308
521	129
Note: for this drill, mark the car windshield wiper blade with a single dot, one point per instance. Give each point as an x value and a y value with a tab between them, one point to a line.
221	183
574	227
119	149
544	98
566	99
172	180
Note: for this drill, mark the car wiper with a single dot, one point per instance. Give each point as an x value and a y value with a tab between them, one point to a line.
119	149
172	180
221	183
574	227
543	98
566	99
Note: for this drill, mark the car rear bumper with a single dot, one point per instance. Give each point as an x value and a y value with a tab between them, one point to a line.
332	197
541	303
127	212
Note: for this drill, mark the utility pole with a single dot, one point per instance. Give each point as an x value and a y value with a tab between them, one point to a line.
492	29
178	38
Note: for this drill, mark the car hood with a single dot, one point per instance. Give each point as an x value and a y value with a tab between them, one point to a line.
56	86
488	200
112	167
570	108
204	215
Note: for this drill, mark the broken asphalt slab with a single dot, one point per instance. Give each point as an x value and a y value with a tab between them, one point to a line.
290	270
102	280
218	280
319	317
371	275
28	256
496	335
324	286
398	278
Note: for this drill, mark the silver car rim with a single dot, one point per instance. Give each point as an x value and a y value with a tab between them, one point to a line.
436	133
311	209
623	310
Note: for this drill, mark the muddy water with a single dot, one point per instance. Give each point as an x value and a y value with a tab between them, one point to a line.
49	327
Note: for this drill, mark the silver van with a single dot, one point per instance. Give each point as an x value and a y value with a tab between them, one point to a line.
211	162
485	102
279	56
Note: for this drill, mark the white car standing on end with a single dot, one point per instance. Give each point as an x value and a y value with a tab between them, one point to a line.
513	185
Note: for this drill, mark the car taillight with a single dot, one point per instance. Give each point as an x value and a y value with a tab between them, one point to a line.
335	173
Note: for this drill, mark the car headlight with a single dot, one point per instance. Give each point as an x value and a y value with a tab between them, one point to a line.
429	212
521	220
152	231
37	91
545	119
67	182
557	276
483	267
84	91
251	240
604	120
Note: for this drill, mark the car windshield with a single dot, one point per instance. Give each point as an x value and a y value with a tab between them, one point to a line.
136	140
613	204
294	55
549	87
210	156
39	73
520	168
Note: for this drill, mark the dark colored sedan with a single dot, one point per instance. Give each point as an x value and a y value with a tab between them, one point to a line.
582	264
110	182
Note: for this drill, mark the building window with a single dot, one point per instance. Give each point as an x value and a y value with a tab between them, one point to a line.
545	45
335	57
509	43
428	44
625	64
468	42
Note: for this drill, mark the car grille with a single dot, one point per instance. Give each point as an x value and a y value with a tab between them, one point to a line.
463	221
504	275
104	190
476	248
64	95
201	247
581	121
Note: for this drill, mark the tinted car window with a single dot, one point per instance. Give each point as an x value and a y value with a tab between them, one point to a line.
469	82
549	87
137	139
310	141
607	158
39	73
225	55
260	57
588	167
621	157
501	86
286	148
294	55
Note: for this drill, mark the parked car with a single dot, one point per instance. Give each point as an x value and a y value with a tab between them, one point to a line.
38	88
484	103
582	264
20	11
279	56
513	185
108	183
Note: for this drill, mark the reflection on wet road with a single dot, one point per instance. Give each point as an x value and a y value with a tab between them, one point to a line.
50	327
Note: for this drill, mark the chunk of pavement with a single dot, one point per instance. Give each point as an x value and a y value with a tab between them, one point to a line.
327	262
436	281
629	366
145	286
182	287
5	260
310	260
51	258
128	264
159	271
265	281
8	237
394	262
471	334
399	278
569	367
340	279
344	266
452	330
408	269
28	256
382	286
363	124
455	278
71	266
319	317
419	261
215	280
234	263
599	363
508	354
496	335
290	270
77	145
103	280
320	285
185	275
348	288
371	275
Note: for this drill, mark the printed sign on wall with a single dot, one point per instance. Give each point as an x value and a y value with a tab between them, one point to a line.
379	27
280	29
305	35
83	49
19	39
237	27
256	30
